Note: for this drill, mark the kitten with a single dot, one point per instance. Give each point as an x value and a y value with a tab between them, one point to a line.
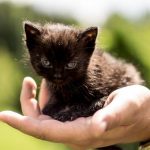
78	75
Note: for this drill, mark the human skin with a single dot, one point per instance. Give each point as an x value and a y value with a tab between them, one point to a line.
124	119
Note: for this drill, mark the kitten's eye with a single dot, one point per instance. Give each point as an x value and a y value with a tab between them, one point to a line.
46	63
71	65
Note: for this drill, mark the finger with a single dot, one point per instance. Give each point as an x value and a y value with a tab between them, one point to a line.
113	115
25	124
110	98
112	137
29	104
46	130
123	134
49	129
76	147
43	95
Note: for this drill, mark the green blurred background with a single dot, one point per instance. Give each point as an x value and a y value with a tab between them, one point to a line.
128	39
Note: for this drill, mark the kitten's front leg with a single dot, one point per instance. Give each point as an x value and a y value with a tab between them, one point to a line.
53	107
62	112
70	112
74	111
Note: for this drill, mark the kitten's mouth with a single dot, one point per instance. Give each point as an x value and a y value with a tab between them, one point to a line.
58	81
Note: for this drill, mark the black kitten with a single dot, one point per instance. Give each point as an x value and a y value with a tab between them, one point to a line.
79	77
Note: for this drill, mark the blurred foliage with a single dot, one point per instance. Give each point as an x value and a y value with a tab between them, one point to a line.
123	38
129	40
10	79
11	18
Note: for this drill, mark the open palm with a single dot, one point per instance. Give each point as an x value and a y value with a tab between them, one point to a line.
123	119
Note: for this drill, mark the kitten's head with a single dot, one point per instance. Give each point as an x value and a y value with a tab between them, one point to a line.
59	53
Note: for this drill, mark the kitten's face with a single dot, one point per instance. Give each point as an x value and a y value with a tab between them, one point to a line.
60	53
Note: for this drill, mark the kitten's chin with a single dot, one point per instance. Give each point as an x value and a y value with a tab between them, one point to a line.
59	82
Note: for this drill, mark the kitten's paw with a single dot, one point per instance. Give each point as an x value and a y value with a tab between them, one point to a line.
62	117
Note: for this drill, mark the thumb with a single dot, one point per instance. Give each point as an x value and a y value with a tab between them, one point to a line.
29	104
116	113
44	94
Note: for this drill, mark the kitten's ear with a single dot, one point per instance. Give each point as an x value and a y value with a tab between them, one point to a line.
89	35
31	29
32	32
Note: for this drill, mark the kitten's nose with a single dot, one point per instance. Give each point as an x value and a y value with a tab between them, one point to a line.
57	76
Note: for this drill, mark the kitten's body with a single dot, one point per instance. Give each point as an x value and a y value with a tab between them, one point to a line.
84	97
79	79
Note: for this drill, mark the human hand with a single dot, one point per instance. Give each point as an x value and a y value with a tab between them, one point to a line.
125	118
